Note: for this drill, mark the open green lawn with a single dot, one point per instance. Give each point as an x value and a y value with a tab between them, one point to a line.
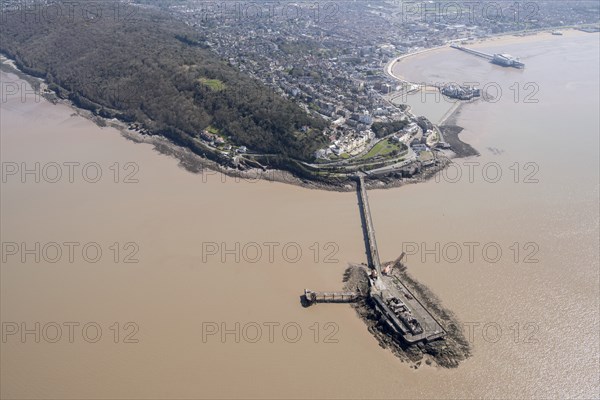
382	149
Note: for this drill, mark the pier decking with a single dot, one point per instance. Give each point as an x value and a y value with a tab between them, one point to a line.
373	253
474	52
428	327
330	297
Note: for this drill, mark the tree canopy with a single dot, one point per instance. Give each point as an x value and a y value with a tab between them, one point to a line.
159	72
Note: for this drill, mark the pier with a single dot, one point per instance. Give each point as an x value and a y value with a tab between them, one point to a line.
505	60
330	297
401	314
400	310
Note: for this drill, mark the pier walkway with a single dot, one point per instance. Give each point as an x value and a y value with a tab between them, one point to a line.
474	52
373	253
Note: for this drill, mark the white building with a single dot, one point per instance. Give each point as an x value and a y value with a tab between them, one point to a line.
411	128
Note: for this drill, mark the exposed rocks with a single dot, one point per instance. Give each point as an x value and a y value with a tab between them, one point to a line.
460	148
447	352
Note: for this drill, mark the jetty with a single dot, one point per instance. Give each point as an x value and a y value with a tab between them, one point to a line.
330	297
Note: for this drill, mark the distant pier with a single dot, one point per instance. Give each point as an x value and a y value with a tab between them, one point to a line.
505	60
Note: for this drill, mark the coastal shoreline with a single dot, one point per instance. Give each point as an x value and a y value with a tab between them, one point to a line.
198	164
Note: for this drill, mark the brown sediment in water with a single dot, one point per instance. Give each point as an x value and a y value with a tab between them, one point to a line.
170	212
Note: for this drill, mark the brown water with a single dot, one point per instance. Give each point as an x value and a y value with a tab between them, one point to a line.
171	291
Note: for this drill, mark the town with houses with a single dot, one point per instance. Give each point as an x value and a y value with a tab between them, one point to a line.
331	58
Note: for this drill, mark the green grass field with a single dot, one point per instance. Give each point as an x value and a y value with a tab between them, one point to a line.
382	149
